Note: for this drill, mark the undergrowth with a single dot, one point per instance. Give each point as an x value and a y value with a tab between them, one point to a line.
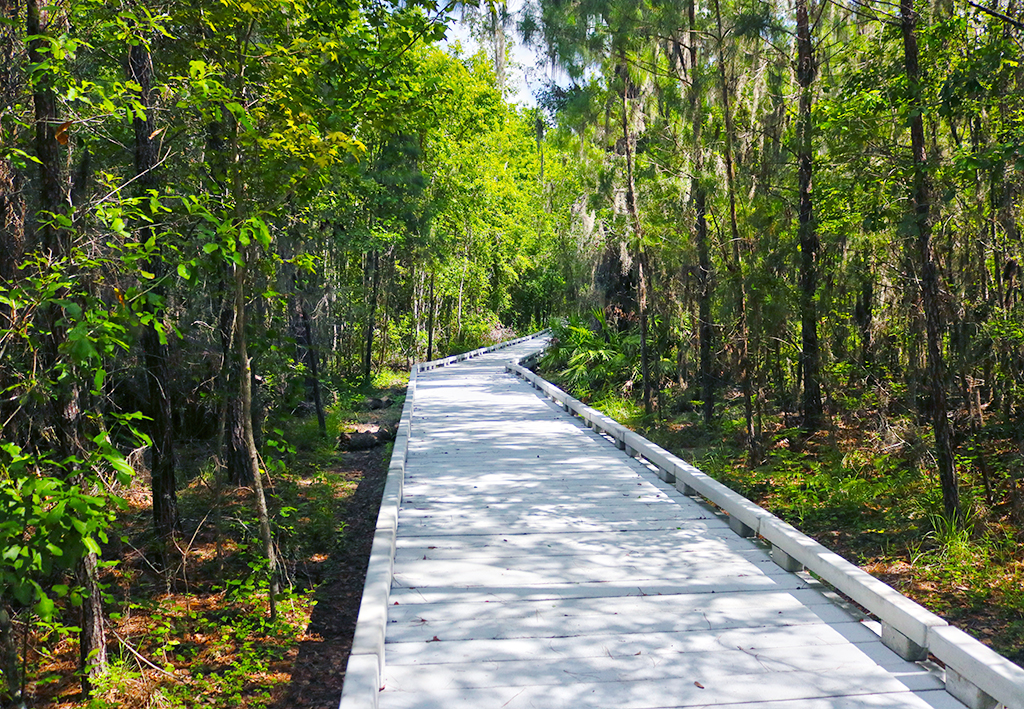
200	636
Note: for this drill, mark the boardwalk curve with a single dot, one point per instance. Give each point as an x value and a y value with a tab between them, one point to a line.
522	560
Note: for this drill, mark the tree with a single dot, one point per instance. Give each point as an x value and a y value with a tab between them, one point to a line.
920	229
810	358
154	338
12	202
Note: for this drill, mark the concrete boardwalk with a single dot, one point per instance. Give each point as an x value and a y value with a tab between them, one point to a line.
538	566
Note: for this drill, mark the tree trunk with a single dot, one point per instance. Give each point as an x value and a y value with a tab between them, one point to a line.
245	373
645	356
920	200
498	35
313	380
538	126
382	356
370	319
52	190
92	644
863	315
430	321
707	327
65	411
10	694
12	202
634	213
737	265
235	455
161	428
12	219
245	398
462	278
417	310
810	353
704	274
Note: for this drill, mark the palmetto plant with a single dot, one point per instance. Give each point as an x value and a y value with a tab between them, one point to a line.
593	358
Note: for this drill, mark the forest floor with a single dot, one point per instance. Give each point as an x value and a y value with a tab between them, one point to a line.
201	636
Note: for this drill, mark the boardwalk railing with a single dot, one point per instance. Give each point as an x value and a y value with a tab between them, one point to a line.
366	661
975	674
434	364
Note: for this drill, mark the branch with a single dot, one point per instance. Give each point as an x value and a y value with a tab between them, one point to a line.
997	14
137	655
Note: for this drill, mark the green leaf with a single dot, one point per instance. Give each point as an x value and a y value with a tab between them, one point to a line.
124	471
44	607
184	272
91	545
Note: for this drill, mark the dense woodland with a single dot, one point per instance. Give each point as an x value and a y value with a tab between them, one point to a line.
783	236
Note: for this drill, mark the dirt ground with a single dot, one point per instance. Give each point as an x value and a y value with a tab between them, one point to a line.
318	672
195	644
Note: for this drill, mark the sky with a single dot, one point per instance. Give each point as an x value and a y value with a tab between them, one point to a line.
527	70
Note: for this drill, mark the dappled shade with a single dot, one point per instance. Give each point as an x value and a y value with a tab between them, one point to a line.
537	565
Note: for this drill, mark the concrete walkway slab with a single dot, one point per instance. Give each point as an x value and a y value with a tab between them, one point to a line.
536	565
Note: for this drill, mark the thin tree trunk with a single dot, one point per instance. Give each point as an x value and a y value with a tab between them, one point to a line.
231	455
219	466
371	317
417	309
52	189
161	428
462	279
430	321
706	331
539	130
386	306
920	199
737	265
645	356
704	273
311	362
12	219
863	315
12	202
641	258
245	397
65	409
236	455
92	646
244	363
498	35
11	694
810	353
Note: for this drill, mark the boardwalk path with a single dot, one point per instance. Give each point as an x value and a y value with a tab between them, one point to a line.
538	566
